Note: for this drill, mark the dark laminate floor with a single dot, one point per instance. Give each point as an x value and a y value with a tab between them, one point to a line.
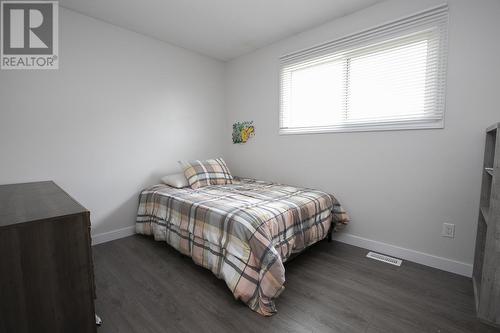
146	286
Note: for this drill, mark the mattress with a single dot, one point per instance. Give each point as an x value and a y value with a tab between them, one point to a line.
243	232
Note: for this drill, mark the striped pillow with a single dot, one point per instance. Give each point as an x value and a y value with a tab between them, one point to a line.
209	172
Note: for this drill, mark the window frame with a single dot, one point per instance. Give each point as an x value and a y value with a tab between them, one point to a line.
410	29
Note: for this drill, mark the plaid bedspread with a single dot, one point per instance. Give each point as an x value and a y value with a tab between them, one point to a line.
242	232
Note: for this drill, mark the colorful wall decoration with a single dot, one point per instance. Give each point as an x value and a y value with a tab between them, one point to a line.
242	131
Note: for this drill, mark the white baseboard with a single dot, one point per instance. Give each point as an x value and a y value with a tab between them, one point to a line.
112	235
426	259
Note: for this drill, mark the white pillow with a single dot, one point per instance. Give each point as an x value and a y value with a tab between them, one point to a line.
177	180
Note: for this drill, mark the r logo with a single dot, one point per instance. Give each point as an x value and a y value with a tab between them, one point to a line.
28	28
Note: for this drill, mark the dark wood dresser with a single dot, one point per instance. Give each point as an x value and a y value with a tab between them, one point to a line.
46	272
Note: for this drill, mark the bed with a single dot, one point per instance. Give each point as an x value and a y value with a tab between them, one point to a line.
243	232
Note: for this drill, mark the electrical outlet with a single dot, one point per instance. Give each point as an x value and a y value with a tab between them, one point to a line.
448	230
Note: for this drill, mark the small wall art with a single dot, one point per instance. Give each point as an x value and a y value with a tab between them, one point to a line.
242	131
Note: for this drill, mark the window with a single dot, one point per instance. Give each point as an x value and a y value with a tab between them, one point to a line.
389	77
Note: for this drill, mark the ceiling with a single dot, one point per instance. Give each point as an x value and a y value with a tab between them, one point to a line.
223	29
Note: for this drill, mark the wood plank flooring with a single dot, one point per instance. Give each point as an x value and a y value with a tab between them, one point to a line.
146	286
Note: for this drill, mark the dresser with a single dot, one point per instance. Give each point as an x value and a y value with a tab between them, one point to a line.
46	271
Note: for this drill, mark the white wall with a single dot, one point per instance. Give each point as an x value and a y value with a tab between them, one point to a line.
398	186
119	113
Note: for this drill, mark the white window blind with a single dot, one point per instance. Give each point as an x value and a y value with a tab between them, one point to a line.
388	77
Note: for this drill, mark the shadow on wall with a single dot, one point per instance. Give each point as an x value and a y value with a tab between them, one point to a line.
115	219
124	214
